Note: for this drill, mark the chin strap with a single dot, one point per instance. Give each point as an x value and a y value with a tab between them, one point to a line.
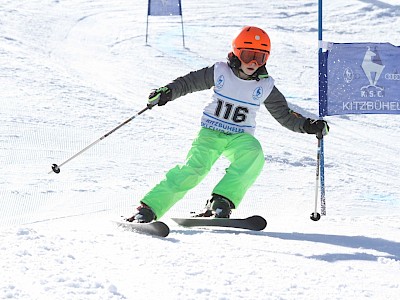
261	73
257	75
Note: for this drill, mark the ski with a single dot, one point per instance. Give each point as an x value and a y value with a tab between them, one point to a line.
255	223
157	228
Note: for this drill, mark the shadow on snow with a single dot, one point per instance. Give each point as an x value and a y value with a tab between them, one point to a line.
392	248
357	242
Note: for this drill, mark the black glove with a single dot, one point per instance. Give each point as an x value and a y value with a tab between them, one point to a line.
160	96
318	127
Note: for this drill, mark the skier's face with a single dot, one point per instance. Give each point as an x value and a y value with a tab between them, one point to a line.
249	68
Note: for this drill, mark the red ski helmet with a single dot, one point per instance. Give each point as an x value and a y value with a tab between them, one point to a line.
255	39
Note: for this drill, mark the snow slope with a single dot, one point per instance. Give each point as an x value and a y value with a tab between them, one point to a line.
70	71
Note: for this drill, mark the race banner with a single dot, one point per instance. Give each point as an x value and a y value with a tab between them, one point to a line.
164	8
360	78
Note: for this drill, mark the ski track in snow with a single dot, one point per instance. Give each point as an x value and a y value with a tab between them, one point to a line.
71	71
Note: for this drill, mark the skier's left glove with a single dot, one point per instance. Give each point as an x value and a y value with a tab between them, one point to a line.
160	96
318	127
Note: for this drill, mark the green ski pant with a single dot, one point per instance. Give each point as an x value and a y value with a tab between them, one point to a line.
242	150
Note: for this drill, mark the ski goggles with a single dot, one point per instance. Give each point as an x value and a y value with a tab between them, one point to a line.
247	56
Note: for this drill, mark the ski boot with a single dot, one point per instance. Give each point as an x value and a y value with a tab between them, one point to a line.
218	206
144	214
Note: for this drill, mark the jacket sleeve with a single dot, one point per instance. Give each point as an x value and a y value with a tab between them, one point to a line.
277	106
199	80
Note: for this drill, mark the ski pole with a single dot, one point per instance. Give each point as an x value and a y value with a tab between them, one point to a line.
56	168
315	216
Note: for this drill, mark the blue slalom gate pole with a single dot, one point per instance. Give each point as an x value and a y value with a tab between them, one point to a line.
322	169
320	176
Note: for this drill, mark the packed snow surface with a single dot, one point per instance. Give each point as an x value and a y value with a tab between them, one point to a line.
70	71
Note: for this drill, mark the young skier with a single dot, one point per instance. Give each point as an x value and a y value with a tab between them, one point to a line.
241	85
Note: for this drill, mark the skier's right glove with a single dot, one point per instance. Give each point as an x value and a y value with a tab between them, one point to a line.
160	96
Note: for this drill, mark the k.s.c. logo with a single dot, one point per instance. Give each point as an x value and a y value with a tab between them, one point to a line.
220	82
257	93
